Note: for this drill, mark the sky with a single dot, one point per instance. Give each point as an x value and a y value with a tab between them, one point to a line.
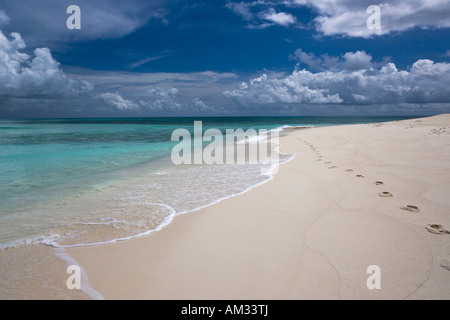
141	58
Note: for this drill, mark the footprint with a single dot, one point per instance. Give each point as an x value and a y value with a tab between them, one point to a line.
319	160
359	176
436	229
349	170
332	167
378	183
328	162
385	194
445	263
410	208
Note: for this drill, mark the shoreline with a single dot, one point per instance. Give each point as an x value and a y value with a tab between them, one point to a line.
55	239
283	247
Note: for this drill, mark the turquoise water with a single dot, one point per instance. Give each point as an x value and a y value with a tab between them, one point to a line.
96	180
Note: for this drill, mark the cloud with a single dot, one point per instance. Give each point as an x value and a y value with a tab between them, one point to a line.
156	100
321	63
286	90
115	100
279	18
4	19
140	62
142	81
159	94
350	61
160	99
24	76
359	82
357	61
240	8
46	19
348	18
264	16
199	106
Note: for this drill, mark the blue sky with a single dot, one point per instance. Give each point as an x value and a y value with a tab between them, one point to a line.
223	58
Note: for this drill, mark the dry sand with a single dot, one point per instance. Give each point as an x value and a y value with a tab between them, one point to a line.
338	207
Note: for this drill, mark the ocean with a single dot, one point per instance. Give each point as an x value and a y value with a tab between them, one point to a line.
81	182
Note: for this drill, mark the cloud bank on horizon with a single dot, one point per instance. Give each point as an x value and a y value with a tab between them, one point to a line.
33	82
154	100
425	82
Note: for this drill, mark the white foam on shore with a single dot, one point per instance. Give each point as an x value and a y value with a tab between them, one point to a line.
264	134
165	222
268	172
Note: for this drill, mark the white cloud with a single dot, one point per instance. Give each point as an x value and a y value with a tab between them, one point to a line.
358	83
265	14
343	17
349	18
45	19
284	90
160	93
324	62
280	18
159	99
141	62
23	76
199	106
350	61
357	60
117	101
240	8
4	19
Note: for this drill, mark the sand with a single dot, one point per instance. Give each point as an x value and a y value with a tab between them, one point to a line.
354	196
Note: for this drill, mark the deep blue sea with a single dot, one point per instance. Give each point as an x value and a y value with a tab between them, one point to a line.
68	182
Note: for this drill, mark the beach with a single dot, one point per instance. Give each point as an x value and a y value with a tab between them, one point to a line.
354	196
205	156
